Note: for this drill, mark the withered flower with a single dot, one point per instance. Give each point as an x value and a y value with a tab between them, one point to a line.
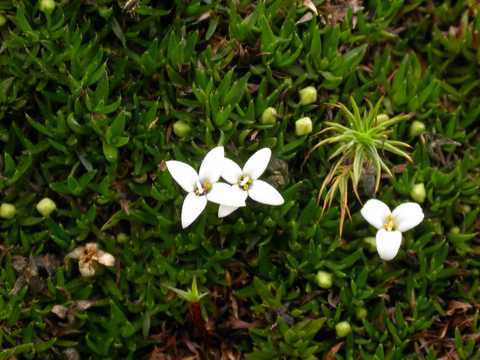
89	256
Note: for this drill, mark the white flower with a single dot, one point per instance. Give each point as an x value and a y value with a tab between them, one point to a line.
390	225
89	256
203	186
246	183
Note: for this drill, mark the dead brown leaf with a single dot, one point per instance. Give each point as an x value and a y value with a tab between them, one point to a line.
331	353
454	306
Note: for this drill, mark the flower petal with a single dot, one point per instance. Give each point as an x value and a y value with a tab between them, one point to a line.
225	210
87	268
192	207
257	163
231	171
76	253
375	212
265	193
211	167
183	174
407	216
225	194
388	243
105	258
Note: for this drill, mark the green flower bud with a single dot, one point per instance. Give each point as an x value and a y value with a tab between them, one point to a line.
361	313
7	211
308	95
371	243
381	118
46	6
455	230
343	329
418	193
303	126
46	206
269	116
416	128
181	129
324	279
122	238
3	20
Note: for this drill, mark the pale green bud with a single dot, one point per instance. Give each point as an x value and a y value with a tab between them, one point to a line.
324	279
371	243
3	20
269	116
7	211
181	128
418	193
416	128
381	118
308	95
47	6
343	329
361	313
122	238
46	206
303	126
455	230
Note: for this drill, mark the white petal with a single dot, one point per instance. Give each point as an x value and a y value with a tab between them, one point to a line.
183	174
211	167
225	194
87	268
231	171
105	258
388	243
258	162
225	210
76	253
265	193
407	216
375	212
91	247
192	207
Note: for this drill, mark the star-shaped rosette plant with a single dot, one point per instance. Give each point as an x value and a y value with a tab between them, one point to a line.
391	224
203	186
246	182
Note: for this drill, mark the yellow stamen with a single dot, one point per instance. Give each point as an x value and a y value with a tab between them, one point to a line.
202	188
245	182
389	223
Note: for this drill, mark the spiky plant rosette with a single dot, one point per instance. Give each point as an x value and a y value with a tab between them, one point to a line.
359	145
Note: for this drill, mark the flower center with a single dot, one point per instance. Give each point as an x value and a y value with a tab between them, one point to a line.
389	223
202	188
244	182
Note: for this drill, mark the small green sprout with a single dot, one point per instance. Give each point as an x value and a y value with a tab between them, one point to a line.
192	295
359	143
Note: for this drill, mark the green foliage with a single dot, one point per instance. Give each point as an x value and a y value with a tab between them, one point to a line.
91	97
